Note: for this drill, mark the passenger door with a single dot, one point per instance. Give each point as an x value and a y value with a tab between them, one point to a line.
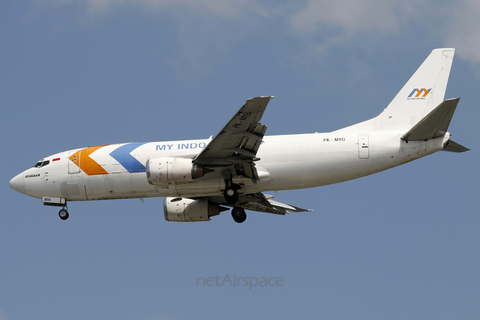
74	162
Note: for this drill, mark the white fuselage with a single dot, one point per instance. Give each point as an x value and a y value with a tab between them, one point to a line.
198	177
286	162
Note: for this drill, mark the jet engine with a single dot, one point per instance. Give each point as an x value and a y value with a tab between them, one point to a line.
189	210
172	170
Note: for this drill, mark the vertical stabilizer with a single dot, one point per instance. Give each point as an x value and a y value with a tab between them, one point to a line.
420	95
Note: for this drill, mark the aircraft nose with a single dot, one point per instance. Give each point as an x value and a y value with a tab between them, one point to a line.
18	183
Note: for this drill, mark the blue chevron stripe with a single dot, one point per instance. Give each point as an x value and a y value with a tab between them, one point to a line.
123	156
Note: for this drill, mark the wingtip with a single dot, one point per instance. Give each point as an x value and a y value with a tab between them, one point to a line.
261	97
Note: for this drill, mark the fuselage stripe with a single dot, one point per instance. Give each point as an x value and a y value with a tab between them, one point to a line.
129	162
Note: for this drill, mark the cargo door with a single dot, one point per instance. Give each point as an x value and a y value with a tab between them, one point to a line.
363	147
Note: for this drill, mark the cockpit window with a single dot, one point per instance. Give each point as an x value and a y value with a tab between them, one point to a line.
41	163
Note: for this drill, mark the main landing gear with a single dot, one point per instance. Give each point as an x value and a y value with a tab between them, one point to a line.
238	214
231	196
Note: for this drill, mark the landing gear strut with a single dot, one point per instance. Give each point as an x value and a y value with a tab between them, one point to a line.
63	214
230	193
57	202
238	214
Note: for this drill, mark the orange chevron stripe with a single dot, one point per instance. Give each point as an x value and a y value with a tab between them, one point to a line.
418	93
426	92
87	164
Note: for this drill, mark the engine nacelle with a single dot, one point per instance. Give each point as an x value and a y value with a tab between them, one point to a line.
172	170
189	210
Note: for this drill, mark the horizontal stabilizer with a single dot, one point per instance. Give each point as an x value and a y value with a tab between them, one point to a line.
435	124
455	147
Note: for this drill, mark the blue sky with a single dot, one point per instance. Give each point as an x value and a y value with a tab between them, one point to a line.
401	244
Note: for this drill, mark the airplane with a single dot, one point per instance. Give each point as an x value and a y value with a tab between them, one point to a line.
201	178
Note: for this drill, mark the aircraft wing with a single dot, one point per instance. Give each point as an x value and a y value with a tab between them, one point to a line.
240	139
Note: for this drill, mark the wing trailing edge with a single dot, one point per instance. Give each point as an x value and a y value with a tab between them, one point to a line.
264	203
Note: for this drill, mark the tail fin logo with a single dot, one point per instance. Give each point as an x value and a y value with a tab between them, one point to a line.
418	94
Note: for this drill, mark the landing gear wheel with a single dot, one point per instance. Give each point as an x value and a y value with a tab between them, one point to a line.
231	195
238	214
63	214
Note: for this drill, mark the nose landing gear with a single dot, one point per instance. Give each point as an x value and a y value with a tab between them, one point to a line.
57	202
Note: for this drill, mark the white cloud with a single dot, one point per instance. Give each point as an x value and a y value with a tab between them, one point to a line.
449	23
223	8
351	16
329	24
322	24
226	8
196	41
463	29
201	27
333	23
3	315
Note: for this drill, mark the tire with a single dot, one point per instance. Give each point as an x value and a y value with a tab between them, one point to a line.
239	215
231	195
63	214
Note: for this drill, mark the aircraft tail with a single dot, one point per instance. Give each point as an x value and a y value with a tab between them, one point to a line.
422	93
435	125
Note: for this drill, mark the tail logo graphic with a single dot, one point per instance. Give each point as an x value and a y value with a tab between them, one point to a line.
418	94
